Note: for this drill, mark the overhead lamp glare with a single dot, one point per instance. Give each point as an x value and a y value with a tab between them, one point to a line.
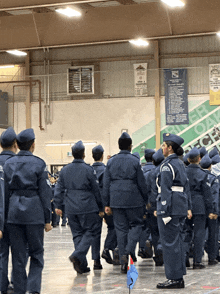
17	52
174	3
139	42
7	66
218	34
68	12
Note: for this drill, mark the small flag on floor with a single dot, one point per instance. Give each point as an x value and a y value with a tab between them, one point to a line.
132	275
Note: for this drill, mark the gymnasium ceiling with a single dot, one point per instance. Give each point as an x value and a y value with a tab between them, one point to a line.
30	24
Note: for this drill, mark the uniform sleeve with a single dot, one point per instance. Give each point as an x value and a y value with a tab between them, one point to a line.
45	195
154	192
2	200
215	195
207	195
188	193
166	190
95	190
106	187
141	183
59	192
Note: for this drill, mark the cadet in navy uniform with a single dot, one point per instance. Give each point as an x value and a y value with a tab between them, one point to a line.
202	204
9	146
28	200
124	194
82	202
172	207
211	224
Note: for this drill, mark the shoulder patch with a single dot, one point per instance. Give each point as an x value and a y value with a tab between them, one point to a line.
165	168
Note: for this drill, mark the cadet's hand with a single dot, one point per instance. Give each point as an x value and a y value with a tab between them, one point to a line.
215	216
1	234
211	215
155	213
108	210
101	213
189	214
58	211
148	206
47	227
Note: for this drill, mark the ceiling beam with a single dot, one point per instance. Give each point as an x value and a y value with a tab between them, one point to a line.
3	13
126	2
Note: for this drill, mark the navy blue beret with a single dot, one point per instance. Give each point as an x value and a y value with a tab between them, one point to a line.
185	158
149	151
158	156
173	138
125	135
194	152
215	159
8	136
78	146
97	149
203	151
137	155
213	152
26	135
205	161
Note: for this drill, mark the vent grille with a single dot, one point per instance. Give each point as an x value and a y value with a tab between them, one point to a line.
80	80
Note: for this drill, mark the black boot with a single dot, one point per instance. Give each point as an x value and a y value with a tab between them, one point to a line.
116	260
124	264
142	253
106	255
148	249
97	265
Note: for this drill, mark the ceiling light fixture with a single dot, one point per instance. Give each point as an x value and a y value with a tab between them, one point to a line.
7	66
139	42
17	52
218	34
174	3
68	12
69	144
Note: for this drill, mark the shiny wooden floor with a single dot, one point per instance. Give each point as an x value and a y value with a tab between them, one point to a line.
60	278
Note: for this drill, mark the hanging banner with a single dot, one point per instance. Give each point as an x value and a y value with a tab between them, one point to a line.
140	79
176	98
214	84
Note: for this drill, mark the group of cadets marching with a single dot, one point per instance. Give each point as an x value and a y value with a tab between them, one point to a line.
169	207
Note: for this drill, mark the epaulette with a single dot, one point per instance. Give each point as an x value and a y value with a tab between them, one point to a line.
40	159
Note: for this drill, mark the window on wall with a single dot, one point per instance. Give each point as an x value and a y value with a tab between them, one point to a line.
80	80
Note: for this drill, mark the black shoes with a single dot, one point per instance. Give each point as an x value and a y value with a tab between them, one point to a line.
142	253
76	264
133	256
171	284
97	265
212	262
158	258
86	270
116	259
106	255
198	265
124	264
149	250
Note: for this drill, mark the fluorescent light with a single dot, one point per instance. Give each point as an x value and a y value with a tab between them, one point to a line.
69	12
139	42
58	144
218	34
7	66
174	3
89	143
17	52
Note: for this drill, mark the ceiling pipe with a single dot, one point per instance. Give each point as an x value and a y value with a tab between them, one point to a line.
112	42
50	5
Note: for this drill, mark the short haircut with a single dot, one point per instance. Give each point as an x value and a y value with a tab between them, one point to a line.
25	145
148	157
194	160
97	156
78	154
7	145
124	144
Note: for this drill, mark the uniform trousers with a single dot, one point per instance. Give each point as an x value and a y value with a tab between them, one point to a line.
199	221
212	236
128	225
155	236
97	241
111	238
83	228
22	236
172	237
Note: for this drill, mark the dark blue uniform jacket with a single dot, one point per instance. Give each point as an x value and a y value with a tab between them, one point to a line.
149	175
82	190
200	189
27	189
3	157
99	169
172	175
124	183
215	191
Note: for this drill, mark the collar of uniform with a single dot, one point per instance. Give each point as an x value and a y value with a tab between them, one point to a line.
193	165
124	152
8	152
24	152
78	160
149	163
170	157
98	163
